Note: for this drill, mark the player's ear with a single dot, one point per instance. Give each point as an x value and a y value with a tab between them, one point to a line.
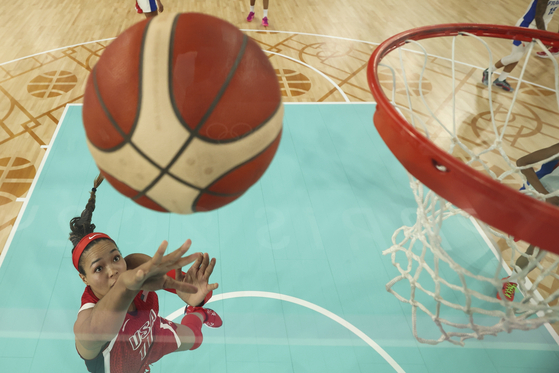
84	279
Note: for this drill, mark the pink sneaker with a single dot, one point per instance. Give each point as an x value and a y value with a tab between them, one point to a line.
553	50
211	318
250	16
509	288
265	21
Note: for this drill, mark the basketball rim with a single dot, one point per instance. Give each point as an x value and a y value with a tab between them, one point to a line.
484	198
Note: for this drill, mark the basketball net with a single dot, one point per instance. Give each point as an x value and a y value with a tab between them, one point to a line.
460	301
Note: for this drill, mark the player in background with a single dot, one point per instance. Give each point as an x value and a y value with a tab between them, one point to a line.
251	14
538	15
118	328
150	8
545	181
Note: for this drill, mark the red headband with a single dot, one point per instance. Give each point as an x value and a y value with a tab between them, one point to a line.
78	250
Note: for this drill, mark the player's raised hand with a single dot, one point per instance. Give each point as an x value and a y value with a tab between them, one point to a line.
197	275
151	275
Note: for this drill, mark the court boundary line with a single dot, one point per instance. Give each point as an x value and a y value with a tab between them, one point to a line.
315	69
32	187
306	304
56	49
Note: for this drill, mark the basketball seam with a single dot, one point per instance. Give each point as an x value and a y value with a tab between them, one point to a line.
256	128
127	138
194	133
205	190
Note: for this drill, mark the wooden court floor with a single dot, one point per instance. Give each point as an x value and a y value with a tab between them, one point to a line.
320	51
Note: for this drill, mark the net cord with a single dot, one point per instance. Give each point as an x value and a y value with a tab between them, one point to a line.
427	231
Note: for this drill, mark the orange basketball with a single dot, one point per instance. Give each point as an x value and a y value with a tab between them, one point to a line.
183	113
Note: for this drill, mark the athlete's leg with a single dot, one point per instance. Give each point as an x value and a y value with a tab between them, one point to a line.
522	262
507	68
149	7
509	287
190	331
251	14
265	17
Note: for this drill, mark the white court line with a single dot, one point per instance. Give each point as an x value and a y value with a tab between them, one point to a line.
315	69
54	50
306	33
493	246
304	303
286	32
32	187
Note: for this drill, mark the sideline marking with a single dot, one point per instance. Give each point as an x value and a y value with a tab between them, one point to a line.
32	187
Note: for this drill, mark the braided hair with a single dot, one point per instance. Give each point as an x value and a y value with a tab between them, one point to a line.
81	226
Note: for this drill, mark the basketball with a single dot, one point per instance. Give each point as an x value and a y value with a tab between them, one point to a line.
183	113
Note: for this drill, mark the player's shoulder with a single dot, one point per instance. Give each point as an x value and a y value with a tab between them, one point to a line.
88	297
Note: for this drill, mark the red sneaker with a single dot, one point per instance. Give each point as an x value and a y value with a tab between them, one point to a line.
211	318
509	288
553	50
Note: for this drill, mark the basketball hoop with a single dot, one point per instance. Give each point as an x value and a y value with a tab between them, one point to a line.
463	190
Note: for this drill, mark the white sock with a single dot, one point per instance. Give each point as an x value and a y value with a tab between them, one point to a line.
503	76
265	12
252	8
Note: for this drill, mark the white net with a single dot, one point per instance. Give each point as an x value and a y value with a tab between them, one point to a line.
451	265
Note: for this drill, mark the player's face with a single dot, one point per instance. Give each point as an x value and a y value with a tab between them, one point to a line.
102	264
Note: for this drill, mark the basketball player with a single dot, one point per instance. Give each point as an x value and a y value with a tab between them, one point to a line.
118	328
545	181
149	7
251	14
538	15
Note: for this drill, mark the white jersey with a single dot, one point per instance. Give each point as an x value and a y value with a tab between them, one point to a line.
529	18
551	181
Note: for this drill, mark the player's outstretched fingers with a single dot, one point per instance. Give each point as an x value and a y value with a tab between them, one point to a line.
210	269
159	253
198	262
183	262
205	262
178	253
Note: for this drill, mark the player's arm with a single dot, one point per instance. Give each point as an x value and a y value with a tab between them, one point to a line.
198	275
536	157
541	8
100	324
137	259
160	5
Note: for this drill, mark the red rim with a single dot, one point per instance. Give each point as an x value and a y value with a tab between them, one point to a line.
479	195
